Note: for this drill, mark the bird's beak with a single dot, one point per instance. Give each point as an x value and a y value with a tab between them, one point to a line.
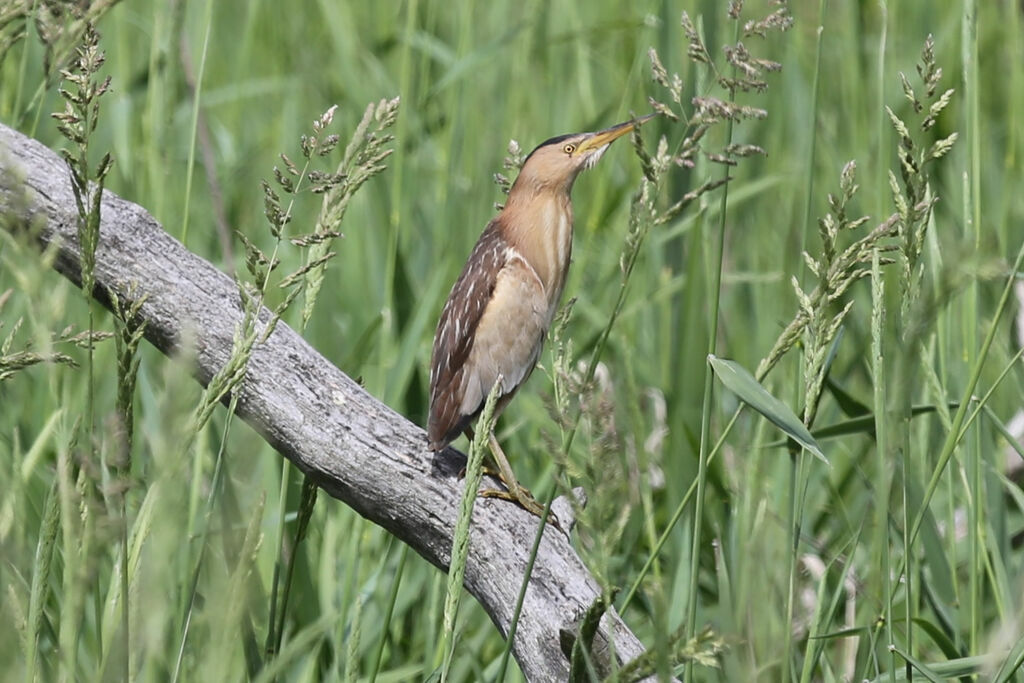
608	135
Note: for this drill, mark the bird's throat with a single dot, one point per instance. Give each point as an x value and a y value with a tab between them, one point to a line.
540	231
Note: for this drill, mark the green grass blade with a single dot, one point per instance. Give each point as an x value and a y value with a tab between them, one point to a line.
460	540
736	378
196	101
388	614
42	567
1013	662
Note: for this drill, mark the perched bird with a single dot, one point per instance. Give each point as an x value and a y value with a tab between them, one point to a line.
499	310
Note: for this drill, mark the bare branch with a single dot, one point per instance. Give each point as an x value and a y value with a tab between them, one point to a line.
356	448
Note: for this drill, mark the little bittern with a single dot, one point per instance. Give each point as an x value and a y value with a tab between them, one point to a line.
499	310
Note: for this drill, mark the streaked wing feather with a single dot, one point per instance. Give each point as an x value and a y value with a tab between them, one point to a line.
455	333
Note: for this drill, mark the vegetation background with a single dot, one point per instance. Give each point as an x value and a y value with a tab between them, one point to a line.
204	97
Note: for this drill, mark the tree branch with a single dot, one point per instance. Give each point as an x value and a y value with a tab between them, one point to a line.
356	448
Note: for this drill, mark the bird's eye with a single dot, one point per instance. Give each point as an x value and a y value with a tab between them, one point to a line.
569	148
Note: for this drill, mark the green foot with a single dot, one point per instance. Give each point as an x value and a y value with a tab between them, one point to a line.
524	499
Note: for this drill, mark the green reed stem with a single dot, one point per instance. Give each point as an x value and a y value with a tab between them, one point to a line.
715	287
196	99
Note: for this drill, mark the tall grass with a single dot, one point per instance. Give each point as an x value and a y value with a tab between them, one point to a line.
906	558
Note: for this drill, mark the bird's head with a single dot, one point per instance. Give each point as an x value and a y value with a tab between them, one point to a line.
555	163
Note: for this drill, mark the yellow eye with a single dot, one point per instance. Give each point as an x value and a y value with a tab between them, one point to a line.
569	148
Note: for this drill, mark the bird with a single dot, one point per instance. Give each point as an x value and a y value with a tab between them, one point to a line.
494	322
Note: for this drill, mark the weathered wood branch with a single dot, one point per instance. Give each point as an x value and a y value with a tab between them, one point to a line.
356	448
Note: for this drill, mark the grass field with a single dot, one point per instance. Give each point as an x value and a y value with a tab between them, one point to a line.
903	556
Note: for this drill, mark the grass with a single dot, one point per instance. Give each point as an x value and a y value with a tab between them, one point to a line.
903	558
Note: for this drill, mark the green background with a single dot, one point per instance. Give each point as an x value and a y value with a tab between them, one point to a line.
472	76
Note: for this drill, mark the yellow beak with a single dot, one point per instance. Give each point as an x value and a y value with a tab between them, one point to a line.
608	135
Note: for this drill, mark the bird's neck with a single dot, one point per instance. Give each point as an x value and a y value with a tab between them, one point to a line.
539	227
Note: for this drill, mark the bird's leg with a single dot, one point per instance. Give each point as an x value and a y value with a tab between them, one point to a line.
486	469
516	492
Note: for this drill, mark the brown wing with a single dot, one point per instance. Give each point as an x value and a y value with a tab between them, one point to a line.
455	333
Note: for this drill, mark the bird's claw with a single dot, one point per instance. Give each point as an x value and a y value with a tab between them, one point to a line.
524	499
